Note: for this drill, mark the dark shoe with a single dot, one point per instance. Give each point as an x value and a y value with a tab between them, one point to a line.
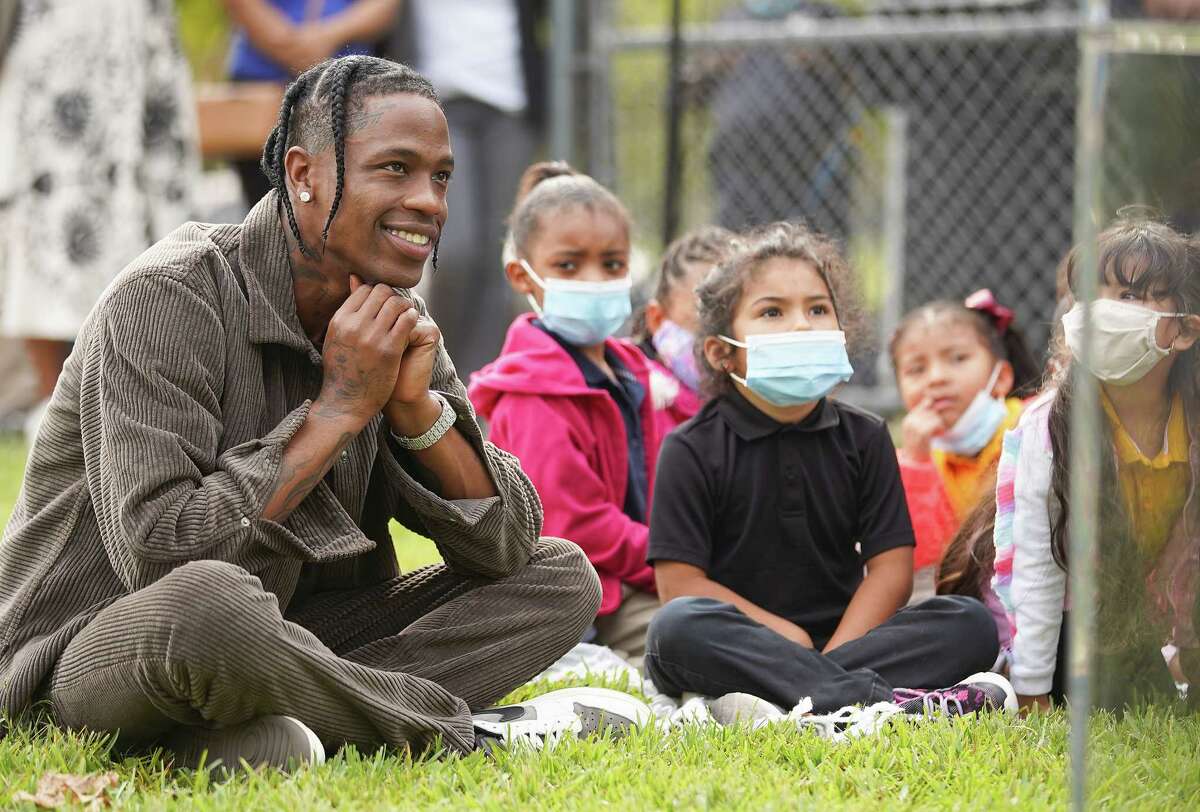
985	691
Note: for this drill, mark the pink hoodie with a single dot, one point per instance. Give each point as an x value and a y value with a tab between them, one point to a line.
570	439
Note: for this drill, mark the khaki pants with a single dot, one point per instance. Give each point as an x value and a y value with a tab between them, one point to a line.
624	631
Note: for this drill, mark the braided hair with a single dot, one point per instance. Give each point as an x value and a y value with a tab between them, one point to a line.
320	108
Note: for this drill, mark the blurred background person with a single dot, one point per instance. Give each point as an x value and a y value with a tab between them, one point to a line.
485	61
278	39
97	160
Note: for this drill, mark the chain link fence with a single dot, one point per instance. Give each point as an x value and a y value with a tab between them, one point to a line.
936	142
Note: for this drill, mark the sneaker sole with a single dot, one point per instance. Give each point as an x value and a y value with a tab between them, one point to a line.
282	742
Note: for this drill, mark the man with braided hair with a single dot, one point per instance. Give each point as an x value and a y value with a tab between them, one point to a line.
200	555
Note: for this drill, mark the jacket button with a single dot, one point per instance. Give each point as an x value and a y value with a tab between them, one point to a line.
345	455
245	522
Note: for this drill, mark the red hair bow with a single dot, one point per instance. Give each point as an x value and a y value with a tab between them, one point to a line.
985	302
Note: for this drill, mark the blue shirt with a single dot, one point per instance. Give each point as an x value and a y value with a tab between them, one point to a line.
628	393
248	64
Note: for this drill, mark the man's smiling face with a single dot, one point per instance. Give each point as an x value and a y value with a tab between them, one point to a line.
393	204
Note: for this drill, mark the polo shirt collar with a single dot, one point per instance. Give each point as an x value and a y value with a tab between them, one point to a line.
593	375
751	424
1175	437
267	272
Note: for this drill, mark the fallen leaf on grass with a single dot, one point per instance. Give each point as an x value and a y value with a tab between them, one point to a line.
56	789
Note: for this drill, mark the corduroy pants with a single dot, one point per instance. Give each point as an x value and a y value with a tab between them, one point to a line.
399	663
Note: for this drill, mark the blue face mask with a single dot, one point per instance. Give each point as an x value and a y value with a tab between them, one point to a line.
581	313
975	427
788	369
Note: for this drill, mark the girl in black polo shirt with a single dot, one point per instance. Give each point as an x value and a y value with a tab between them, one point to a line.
772	501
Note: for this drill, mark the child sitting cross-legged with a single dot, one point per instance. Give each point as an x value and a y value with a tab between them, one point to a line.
770	503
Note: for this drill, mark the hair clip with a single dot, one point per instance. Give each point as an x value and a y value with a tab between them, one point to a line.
983	301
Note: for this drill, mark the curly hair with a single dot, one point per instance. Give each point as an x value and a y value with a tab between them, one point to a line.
719	295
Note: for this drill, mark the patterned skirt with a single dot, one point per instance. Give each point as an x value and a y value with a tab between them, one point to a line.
98	153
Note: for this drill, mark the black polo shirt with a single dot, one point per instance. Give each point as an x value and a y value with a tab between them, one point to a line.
775	511
628	393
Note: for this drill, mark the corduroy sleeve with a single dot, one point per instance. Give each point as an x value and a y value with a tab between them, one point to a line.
150	414
490	537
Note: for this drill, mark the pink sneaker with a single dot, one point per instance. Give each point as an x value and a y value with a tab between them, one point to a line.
980	692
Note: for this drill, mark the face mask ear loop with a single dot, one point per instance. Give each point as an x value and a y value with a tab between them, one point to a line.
991	384
532	274
1171	346
529	297
744	346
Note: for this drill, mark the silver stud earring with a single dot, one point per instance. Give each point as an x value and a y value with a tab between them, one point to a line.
305	196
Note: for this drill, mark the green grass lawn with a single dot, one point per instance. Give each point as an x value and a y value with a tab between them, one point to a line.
1150	760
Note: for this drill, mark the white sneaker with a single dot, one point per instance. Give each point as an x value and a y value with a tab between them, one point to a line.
545	720
744	709
272	741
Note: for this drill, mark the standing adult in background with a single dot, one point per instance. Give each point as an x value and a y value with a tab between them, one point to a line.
483	58
278	39
97	160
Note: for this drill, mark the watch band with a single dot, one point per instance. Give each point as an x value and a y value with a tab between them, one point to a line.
435	432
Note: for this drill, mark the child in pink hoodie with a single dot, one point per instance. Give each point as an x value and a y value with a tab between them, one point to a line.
570	401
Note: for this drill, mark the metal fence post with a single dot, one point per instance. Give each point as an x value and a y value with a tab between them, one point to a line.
562	80
1085	427
893	232
672	183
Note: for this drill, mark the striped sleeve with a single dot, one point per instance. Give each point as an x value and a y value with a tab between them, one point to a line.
1030	584
1002	534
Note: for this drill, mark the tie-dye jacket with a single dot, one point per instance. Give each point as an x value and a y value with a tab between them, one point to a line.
1033	588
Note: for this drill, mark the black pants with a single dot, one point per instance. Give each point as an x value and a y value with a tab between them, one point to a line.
710	647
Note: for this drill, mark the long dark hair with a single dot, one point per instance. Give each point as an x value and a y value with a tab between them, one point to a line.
1151	259
968	563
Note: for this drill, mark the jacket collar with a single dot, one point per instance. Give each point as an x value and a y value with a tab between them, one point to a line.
267	273
751	424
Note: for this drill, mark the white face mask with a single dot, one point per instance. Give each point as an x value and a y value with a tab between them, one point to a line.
1124	339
